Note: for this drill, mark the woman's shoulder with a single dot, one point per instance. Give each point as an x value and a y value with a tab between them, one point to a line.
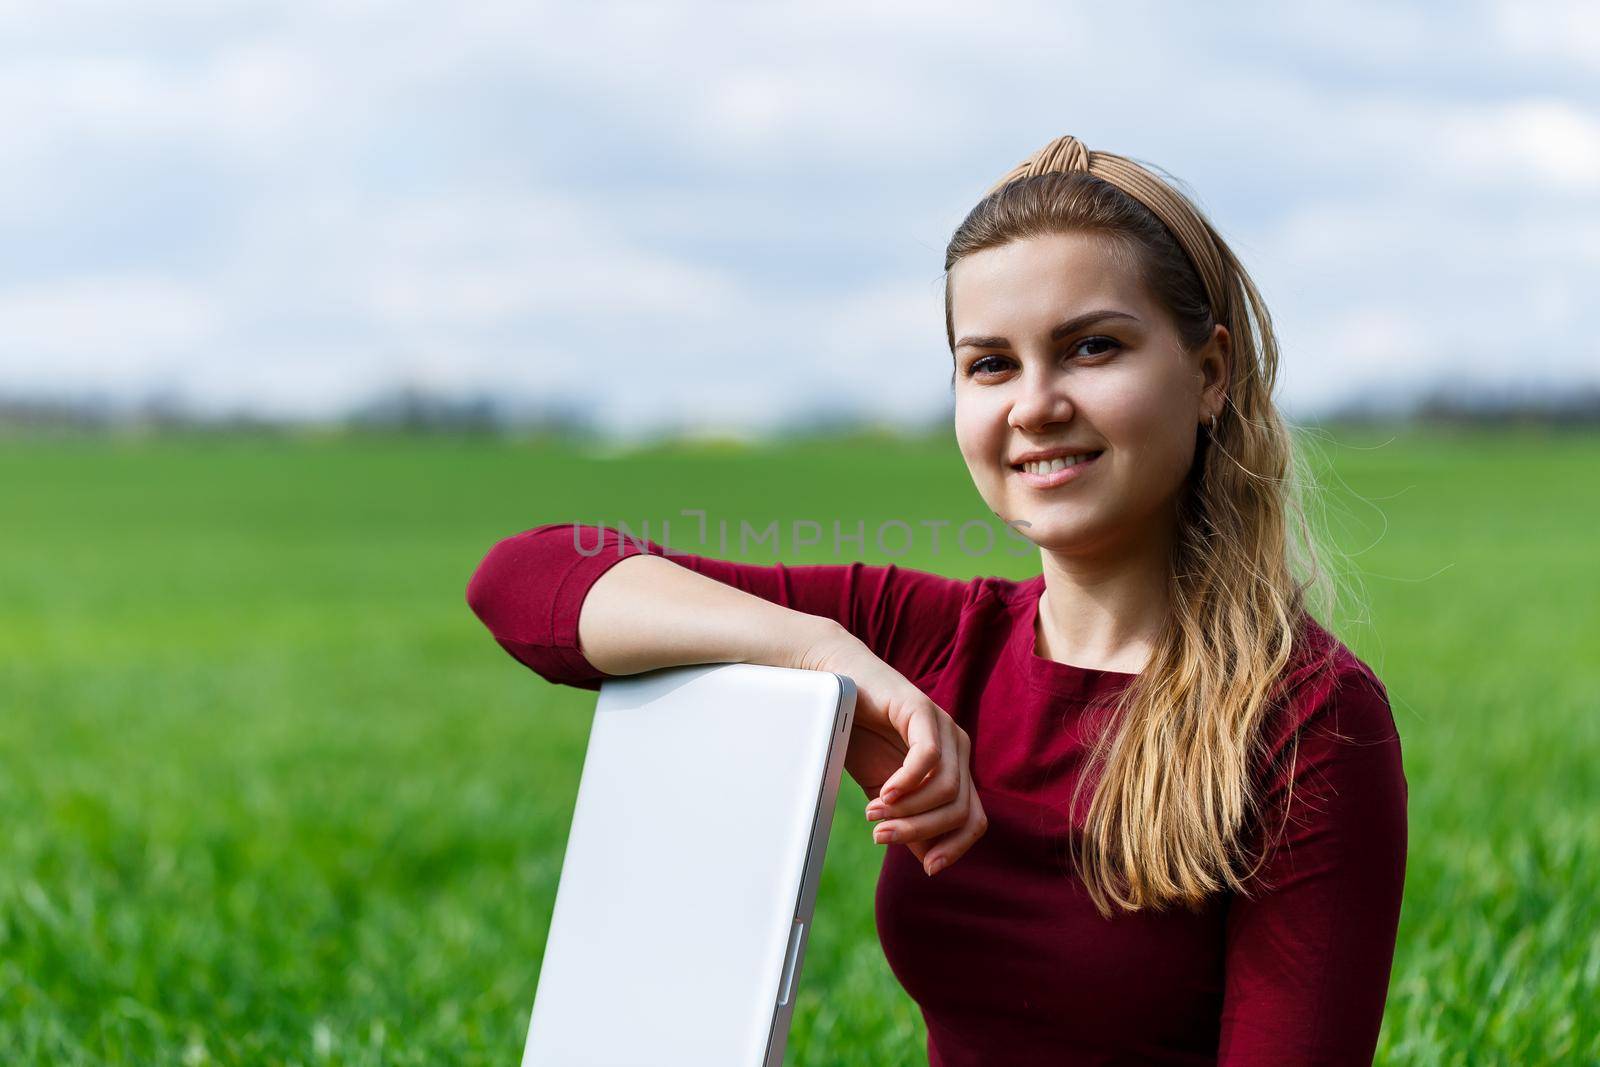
982	593
1006	594
1330	691
1332	746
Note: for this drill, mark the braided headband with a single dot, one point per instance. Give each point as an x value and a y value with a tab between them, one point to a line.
1067	154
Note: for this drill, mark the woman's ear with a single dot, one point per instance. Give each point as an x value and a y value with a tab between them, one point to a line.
1216	366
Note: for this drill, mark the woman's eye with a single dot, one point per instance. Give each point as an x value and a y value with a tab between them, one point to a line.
1096	341
997	363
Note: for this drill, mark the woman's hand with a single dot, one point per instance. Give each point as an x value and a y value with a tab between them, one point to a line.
907	754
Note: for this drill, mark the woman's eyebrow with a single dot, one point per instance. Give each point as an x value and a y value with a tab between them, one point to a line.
1072	325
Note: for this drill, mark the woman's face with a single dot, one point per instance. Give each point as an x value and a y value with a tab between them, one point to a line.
1060	349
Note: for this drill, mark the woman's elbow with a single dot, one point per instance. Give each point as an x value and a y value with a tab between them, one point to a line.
505	588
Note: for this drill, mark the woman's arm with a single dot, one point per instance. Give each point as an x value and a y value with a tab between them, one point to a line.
647	612
1308	960
558	599
573	616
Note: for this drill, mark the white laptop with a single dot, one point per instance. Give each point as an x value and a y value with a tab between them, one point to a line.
686	895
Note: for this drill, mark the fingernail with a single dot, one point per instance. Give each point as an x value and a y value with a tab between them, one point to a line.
874	812
936	866
883	834
888	795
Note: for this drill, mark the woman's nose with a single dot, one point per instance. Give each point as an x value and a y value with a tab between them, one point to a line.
1041	403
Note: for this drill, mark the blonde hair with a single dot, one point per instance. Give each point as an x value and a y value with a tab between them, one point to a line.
1174	799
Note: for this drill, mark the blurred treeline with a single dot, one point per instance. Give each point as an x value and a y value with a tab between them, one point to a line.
415	409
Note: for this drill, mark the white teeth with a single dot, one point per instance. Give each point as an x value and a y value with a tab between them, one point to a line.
1048	466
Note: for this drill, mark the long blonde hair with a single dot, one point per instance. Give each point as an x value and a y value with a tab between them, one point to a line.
1174	799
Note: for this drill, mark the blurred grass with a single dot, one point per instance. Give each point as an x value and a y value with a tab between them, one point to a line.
272	796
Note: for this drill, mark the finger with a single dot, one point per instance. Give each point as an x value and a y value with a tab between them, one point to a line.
948	783
930	824
935	731
937	853
944	851
922	757
942	788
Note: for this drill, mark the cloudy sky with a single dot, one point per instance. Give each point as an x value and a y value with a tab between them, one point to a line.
735	212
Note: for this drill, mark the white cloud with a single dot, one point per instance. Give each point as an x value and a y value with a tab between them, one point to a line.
1564	30
664	209
476	263
1545	142
84	328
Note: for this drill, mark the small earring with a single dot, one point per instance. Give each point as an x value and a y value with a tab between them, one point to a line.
1213	425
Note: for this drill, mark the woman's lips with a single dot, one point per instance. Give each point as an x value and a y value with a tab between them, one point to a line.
1060	477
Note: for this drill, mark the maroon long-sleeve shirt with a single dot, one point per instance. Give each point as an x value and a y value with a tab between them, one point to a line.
1003	952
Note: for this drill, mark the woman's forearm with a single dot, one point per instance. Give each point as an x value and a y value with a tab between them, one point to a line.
647	612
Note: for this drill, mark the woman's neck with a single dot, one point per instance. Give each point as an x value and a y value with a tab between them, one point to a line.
1105	610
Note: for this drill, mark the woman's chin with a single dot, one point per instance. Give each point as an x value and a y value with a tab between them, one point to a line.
1058	533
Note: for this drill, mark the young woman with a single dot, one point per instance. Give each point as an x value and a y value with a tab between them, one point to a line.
1163	810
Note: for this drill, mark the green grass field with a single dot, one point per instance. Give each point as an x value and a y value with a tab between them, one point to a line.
271	795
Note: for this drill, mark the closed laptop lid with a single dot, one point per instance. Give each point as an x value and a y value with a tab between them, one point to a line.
686	867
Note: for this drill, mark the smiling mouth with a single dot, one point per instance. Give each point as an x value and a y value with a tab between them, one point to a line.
1059	463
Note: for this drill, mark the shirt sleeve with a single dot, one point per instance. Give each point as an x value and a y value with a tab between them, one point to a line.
1308	958
529	589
